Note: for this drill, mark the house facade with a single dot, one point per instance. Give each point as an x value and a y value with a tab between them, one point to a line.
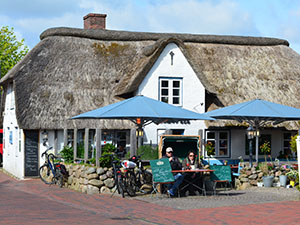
72	71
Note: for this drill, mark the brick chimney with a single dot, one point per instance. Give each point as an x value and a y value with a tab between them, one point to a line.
94	21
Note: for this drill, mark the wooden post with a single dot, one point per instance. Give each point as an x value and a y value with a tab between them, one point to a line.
65	136
86	144
55	142
201	152
132	142
98	146
75	144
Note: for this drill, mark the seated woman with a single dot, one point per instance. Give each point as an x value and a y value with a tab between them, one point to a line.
191	163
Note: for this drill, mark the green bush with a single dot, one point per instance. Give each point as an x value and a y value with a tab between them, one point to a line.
67	154
147	152
80	150
105	159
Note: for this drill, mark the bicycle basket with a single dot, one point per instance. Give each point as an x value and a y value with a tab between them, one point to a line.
128	164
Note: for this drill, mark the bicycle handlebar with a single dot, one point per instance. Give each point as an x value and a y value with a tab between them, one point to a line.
45	152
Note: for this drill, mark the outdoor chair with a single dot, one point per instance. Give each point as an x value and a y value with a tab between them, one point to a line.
161	174
238	172
222	176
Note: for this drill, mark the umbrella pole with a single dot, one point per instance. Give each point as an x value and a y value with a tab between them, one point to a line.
256	149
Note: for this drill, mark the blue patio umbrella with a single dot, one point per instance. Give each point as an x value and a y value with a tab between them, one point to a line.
143	110
257	110
257	113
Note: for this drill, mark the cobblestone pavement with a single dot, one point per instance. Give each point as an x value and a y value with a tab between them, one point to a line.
234	198
32	202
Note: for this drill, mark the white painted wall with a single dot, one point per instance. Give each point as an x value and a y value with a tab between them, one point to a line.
193	90
14	140
13	148
238	143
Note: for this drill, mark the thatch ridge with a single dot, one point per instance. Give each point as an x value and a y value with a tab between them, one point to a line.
113	35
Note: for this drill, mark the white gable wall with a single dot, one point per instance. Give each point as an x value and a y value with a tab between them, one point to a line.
193	92
13	151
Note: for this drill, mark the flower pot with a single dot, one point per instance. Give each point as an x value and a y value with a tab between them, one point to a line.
282	180
268	181
260	184
292	183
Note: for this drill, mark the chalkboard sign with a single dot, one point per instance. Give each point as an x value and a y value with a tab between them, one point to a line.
161	171
220	172
31	153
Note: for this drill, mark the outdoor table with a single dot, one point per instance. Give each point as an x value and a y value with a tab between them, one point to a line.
197	178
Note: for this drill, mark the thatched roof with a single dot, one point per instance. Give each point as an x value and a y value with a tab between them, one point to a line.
74	70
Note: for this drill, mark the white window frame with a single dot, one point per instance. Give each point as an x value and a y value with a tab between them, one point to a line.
292	133
170	89
217	140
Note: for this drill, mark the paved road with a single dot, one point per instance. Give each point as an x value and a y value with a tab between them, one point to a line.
32	202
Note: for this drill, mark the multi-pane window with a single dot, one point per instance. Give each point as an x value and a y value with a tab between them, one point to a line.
286	142
171	91
262	139
220	142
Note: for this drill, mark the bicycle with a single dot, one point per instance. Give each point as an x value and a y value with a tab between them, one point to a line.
129	177
118	176
142	175
50	172
124	180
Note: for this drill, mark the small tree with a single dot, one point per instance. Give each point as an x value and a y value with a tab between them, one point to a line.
210	149
293	143
11	50
106	160
265	148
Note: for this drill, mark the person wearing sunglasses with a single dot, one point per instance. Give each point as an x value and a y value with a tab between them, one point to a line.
175	165
190	163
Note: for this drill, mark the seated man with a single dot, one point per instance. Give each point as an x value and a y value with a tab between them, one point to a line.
175	165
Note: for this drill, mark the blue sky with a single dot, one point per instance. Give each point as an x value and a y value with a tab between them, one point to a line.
267	18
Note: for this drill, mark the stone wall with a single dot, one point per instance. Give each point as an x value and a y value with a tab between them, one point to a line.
90	180
250	176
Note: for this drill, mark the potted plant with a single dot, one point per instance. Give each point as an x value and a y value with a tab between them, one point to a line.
267	180
292	175
210	150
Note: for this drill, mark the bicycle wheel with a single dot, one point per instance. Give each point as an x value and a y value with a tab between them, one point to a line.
147	177
120	186
143	177
144	181
130	183
59	178
46	174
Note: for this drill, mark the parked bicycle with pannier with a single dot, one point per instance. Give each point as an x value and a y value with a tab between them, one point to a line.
52	172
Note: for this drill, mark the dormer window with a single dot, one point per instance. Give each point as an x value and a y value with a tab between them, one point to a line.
171	90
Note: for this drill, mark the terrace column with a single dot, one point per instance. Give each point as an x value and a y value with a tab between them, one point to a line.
65	137
98	146
132	142
86	144
201	144
75	144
